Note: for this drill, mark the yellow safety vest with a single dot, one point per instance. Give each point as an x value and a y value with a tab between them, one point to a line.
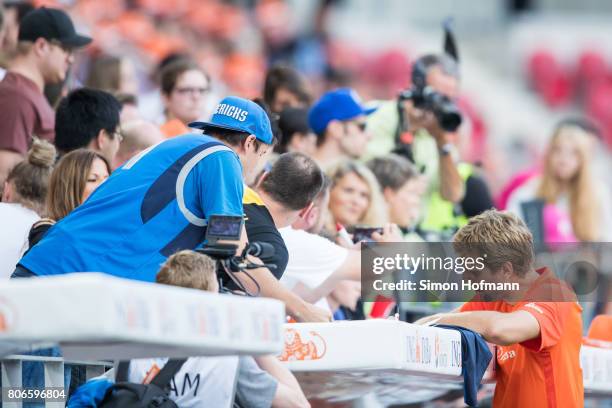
440	214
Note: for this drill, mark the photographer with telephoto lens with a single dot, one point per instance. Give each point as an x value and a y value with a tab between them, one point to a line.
422	125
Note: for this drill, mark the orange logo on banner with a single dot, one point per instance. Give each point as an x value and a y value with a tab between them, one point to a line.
298	350
7	316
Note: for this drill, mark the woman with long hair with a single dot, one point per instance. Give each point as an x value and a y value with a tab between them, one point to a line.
402	189
74	178
355	197
575	207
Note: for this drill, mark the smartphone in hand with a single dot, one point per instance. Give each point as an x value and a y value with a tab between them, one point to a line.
365	233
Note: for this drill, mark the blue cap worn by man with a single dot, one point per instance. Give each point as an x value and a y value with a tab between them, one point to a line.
159	201
240	115
339	120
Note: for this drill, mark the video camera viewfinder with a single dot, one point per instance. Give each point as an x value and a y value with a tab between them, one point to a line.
224	227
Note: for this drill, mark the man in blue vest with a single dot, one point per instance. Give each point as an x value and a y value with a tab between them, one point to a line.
159	201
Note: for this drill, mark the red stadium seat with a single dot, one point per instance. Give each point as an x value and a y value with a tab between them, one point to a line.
557	89
591	68
540	64
549	79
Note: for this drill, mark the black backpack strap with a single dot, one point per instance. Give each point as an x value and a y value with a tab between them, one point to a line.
162	379
122	371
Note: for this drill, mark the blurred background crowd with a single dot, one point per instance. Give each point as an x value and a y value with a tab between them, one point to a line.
525	65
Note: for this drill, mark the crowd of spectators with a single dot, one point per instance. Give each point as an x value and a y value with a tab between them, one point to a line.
89	125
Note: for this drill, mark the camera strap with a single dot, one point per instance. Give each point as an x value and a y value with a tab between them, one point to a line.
403	138
230	268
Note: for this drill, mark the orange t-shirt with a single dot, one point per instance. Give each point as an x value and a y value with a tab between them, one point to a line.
174	128
544	371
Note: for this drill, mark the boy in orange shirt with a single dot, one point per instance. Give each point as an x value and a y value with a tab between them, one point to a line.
538	329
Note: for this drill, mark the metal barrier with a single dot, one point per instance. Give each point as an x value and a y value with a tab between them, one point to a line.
11	374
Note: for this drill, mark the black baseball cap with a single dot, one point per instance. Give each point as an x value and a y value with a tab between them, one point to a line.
50	24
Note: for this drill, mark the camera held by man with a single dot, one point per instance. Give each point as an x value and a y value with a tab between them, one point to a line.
424	97
222	236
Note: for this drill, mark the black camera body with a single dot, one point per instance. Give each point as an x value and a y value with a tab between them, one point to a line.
444	109
426	98
229	228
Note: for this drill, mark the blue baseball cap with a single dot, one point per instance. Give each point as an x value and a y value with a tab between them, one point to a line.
339	104
242	115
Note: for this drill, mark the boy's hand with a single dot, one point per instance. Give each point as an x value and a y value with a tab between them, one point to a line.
429	320
310	313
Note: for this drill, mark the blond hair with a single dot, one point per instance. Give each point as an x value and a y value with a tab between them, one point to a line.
376	213
502	236
30	177
584	208
189	269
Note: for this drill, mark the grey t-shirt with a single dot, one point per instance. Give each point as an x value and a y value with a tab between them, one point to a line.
255	388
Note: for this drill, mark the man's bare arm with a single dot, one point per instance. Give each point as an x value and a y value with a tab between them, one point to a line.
350	269
496	327
289	393
451	183
270	287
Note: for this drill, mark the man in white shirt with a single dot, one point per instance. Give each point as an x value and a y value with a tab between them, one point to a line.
316	265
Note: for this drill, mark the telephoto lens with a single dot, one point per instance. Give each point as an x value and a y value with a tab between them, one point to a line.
444	109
